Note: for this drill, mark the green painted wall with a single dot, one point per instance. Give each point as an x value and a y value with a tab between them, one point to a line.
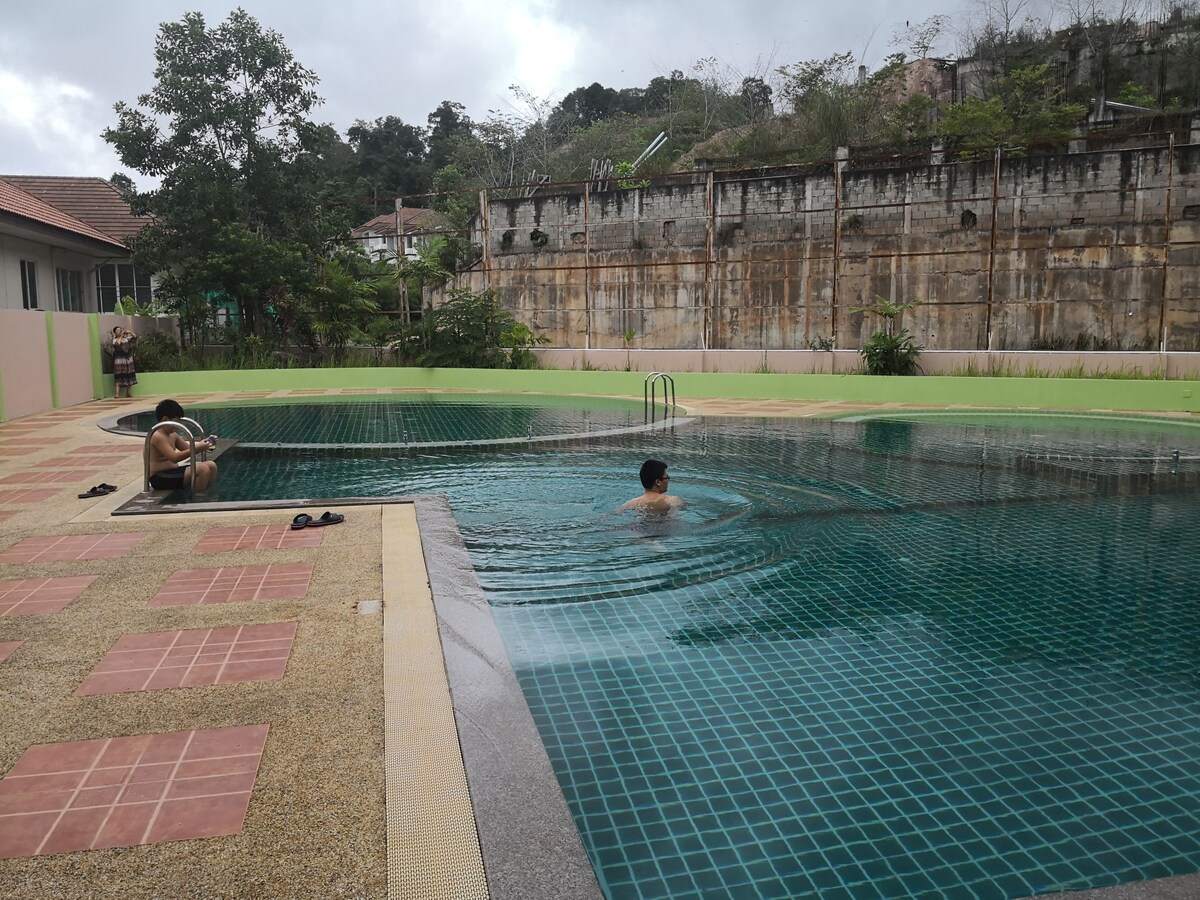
1043	393
99	389
52	355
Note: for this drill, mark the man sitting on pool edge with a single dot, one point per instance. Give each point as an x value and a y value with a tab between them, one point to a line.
168	448
655	480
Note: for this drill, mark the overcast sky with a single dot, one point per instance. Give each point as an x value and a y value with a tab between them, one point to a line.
64	63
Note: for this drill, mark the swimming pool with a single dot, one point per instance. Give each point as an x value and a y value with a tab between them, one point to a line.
885	658
339	423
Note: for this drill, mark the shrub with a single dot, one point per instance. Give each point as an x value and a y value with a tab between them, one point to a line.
157	352
470	330
888	351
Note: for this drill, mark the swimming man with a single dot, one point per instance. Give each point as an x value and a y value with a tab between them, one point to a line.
656	481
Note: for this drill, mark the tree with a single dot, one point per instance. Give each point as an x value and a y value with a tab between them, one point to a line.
756	95
448	125
390	156
124	186
922	37
835	109
1101	28
582	108
226	130
1028	107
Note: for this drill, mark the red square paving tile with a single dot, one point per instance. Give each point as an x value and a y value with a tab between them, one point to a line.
40	596
8	648
27	495
91	459
120	792
235	584
256	537
121	450
69	547
34	476
173	659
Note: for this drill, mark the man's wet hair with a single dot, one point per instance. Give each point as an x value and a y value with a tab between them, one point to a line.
168	409
652	470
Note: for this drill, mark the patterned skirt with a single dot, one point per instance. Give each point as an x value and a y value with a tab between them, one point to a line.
123	369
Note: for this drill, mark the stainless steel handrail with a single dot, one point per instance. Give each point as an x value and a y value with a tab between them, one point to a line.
197	434
650	395
177	426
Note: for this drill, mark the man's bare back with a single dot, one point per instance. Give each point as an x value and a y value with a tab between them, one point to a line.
656	481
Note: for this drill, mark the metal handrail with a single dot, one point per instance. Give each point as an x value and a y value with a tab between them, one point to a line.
650	397
177	426
197	434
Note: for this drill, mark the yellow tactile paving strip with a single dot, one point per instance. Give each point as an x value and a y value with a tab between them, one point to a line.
432	844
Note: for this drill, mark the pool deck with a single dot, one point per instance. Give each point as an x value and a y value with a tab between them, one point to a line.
216	704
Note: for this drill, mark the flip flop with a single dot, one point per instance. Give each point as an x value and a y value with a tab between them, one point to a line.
327	518
301	520
108	488
98	490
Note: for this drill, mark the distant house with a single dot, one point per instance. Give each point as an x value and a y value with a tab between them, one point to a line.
383	236
63	245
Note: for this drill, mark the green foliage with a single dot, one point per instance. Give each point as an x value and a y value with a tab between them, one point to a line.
1135	95
158	351
834	108
1028	107
226	131
340	299
471	330
128	306
888	351
624	173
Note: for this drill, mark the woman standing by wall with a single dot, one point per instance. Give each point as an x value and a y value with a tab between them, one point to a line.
125	375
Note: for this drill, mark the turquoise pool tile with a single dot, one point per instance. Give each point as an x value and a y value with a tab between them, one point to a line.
867	660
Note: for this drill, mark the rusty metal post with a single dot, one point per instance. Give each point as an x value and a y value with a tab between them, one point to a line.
706	293
485	229
587	267
1162	299
401	258
991	272
839	163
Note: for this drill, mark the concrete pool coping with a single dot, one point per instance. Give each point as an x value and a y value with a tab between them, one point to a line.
506	788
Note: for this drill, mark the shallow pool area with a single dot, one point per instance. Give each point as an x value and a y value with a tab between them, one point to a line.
407	420
881	658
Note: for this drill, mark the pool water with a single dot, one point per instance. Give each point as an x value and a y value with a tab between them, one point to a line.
875	659
336	422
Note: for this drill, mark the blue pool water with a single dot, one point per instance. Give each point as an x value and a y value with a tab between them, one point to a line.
873	659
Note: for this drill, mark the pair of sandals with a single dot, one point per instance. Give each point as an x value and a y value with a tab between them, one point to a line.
98	491
304	520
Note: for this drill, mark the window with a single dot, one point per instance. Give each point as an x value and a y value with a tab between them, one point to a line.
117	280
70	290
29	283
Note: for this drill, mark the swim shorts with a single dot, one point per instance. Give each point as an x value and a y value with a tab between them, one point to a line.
168	480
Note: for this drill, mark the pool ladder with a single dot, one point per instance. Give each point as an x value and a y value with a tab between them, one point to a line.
649	398
183	425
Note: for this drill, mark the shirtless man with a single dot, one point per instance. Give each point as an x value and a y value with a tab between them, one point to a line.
655	480
168	448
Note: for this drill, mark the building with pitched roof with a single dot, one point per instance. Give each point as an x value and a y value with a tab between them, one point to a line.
407	228
64	245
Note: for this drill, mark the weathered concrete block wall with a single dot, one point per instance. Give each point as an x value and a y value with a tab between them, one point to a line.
1096	249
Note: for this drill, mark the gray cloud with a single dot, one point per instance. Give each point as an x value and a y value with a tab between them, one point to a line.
376	59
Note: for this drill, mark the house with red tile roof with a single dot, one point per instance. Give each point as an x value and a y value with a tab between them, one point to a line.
410	228
64	245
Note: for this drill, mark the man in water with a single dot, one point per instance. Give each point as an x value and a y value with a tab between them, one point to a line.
656	481
169	448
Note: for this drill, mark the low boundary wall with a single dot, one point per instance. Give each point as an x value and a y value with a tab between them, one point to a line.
1046	393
